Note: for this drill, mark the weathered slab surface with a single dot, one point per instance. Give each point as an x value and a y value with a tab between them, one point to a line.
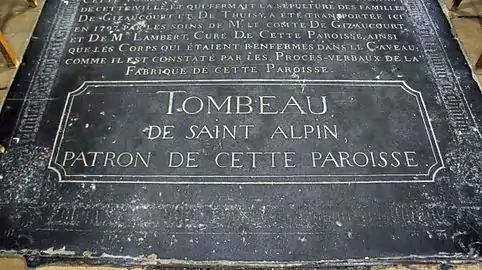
248	131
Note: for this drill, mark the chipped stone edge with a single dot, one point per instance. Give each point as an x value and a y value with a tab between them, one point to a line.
62	255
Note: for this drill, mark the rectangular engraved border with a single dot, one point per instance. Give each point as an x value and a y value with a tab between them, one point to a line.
125	179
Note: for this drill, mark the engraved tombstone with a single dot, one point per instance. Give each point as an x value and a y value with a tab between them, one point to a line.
243	131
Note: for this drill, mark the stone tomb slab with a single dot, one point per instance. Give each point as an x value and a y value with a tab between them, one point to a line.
243	131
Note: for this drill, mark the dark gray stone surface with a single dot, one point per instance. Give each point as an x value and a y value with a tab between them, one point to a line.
245	131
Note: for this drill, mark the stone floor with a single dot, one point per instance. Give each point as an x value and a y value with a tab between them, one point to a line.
18	264
468	30
17	21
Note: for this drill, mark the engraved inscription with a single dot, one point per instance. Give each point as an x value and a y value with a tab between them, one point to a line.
276	134
179	39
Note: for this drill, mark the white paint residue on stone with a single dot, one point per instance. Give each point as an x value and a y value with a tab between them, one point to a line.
139	23
300	81
61	251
